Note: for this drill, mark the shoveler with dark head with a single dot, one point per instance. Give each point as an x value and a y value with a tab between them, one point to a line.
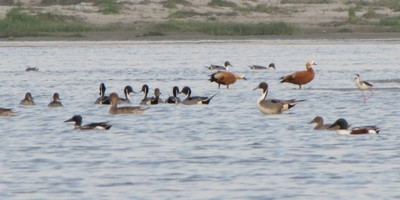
261	67
225	78
28	100
189	100
273	106
56	101
92	126
319	124
363	85
7	112
343	128
174	99
114	109
301	77
226	66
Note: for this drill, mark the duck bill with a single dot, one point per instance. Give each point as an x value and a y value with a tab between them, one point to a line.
256	88
69	120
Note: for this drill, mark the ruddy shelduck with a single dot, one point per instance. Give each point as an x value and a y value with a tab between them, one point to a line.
225	78
301	77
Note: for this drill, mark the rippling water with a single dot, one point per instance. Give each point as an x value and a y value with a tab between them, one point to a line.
225	150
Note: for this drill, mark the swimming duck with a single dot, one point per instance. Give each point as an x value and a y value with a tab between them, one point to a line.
6	112
194	100
28	100
225	78
114	110
319	124
103	99
259	67
174	99
145	90
226	66
273	106
363	85
344	128
56	101
31	69
92	126
128	89
301	77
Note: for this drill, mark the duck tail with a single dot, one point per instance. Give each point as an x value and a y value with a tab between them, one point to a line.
212	78
207	101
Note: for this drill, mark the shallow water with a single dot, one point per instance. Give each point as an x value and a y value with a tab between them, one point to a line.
225	150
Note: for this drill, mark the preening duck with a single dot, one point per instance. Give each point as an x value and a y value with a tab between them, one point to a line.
301	77
92	126
343	128
225	78
273	106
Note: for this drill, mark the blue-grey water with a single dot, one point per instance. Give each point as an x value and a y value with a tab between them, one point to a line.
224	150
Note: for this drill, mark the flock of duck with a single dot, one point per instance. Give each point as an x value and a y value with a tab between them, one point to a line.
222	77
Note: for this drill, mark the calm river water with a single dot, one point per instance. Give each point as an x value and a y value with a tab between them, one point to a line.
224	150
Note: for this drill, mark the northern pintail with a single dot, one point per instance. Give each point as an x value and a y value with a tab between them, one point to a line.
114	110
189	100
226	66
261	67
92	126
273	106
225	78
301	77
28	100
56	101
103	99
319	124
7	112
174	99
127	91
344	128
363	85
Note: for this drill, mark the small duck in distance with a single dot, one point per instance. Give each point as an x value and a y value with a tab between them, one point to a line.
226	66
273	106
319	124
189	100
343	128
363	85
31	69
115	110
28	100
92	126
56	101
261	67
7	112
225	78
301	77
174	99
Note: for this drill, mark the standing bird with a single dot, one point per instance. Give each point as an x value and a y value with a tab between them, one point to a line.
114	109
301	77
260	67
273	106
225	78
28	100
174	99
189	100
56	101
343	128
319	124
92	126
363	85
226	66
